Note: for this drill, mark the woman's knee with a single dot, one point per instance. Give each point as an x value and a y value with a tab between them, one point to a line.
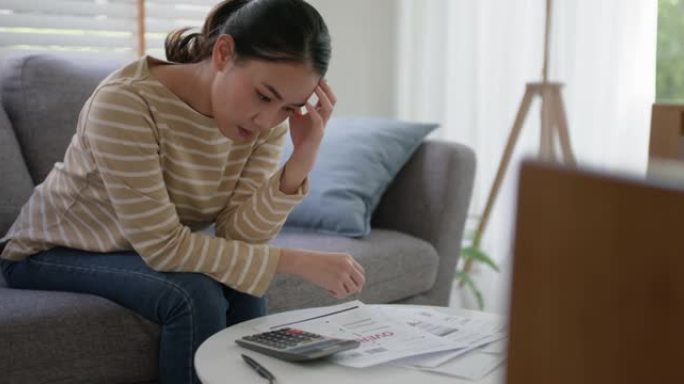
243	307
197	294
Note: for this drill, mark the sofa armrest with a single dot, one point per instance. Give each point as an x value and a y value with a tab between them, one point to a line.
429	199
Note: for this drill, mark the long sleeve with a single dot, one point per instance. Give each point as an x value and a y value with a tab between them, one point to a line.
123	139
258	209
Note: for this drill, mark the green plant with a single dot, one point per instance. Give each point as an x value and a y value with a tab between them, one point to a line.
670	56
469	255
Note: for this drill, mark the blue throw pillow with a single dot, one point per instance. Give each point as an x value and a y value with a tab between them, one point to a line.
357	160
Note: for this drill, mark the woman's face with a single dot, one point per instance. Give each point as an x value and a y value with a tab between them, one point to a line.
251	96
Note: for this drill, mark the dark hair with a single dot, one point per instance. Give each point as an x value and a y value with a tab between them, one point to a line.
271	30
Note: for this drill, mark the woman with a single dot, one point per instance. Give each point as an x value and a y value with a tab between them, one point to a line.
162	150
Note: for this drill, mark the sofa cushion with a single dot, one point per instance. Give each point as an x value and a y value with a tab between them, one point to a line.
43	95
397	266
49	337
16	181
357	160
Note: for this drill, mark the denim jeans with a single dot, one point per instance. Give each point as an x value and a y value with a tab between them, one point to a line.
189	307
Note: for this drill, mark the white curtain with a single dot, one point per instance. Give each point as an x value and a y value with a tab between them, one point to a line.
465	63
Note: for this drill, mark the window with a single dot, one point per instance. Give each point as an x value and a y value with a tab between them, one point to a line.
102	27
670	57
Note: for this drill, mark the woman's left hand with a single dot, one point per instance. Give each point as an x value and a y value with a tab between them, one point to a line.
306	131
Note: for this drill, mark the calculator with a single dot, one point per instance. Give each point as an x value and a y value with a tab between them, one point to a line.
293	344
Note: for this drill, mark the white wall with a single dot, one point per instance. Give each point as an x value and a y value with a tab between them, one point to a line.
363	68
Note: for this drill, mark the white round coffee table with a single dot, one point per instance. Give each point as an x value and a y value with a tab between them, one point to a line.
218	361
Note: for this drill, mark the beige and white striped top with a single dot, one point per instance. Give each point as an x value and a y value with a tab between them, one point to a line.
144	171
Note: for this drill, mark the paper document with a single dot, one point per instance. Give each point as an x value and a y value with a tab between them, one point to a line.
497	347
465	332
382	340
414	337
472	366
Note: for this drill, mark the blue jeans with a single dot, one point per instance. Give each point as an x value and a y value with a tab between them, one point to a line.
189	307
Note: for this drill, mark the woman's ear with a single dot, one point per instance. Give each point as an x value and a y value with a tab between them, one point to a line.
222	55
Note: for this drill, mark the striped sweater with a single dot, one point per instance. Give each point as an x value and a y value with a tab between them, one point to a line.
145	172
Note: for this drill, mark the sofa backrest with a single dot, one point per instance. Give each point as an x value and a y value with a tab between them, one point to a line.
15	182
41	97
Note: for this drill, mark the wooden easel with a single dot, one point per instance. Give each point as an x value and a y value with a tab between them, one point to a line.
554	126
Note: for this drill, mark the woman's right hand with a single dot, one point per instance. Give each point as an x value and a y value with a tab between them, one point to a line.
338	273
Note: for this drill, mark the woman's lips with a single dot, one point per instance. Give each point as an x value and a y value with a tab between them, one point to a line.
244	132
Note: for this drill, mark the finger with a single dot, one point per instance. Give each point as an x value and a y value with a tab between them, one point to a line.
356	273
358	279
298	112
315	116
324	104
328	91
335	293
358	267
349	287
341	292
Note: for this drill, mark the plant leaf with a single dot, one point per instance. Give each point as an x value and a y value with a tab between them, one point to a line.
478	255
473	288
467	253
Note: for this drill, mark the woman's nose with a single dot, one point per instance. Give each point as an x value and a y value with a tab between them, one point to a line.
263	119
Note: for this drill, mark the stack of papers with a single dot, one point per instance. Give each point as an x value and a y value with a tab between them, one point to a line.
479	344
412	337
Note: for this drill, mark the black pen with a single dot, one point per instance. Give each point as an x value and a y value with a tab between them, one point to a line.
263	372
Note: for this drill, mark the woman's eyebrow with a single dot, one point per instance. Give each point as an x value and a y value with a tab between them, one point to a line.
277	95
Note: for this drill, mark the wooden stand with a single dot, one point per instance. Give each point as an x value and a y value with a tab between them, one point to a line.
554	125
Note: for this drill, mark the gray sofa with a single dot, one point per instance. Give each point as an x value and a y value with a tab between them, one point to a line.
61	337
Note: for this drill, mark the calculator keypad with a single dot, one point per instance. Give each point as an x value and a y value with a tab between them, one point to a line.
284	338
292	344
